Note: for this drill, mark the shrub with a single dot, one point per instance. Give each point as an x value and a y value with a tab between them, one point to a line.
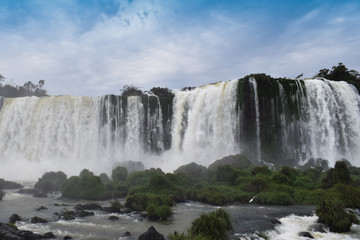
333	214
281	178
116	206
162	212
140	201
339	174
192	171
87	186
119	174
104	178
225	174
258	184
86	172
349	195
212	226
273	198
291	173
261	170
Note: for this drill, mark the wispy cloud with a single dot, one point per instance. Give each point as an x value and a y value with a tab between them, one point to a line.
152	43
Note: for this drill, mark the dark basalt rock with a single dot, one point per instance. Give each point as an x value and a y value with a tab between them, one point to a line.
83	213
275	221
151	234
305	234
38	220
41	208
39	194
113	218
9	233
90	206
67	215
9	184
14	218
126	234
67	238
318	227
49	235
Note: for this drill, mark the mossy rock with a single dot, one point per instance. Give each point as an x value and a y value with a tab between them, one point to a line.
333	214
50	182
237	161
193	171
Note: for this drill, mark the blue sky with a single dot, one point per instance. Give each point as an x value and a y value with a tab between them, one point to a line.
95	47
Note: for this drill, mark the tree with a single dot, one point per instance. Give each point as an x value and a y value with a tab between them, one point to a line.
2	78
130	90
339	73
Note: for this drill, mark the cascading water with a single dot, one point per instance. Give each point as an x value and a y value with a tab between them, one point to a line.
71	133
205	123
278	120
253	83
333	126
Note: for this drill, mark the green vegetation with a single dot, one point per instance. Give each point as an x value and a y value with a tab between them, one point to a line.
86	186
154	192
28	89
341	73
211	226
119	174
50	182
333	214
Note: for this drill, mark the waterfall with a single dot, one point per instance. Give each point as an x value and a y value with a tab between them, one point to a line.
333	126
274	121
253	83
205	122
71	133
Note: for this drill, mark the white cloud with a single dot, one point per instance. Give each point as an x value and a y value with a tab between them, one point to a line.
145	44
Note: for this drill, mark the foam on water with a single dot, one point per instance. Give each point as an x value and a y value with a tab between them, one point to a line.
292	225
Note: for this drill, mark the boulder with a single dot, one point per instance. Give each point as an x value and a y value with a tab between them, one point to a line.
67	238
236	161
9	185
14	218
10	233
38	220
113	218
192	170
50	182
305	234
90	206
41	208
68	215
39	195
49	235
83	213
151	234
317	227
